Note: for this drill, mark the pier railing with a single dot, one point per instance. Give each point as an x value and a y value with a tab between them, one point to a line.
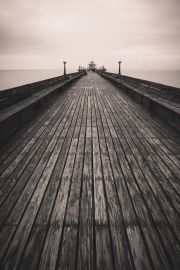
26	106
13	95
161	90
162	99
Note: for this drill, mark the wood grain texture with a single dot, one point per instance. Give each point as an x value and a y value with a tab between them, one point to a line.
103	249
99	198
72	212
121	254
67	256
51	246
85	247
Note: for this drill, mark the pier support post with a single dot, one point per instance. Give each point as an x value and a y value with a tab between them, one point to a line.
119	68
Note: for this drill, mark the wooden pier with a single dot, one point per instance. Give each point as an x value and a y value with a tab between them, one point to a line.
91	182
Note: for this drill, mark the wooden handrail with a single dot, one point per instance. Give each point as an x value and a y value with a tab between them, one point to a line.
165	91
12	95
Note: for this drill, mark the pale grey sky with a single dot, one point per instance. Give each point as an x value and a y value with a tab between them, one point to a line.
41	34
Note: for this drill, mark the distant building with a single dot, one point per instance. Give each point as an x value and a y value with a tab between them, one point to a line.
91	66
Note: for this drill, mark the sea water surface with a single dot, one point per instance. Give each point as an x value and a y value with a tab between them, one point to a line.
13	78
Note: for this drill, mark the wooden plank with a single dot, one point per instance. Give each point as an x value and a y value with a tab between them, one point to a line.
16	248
51	193
126	151
29	261
14	226
30	168
159	162
165	158
98	119
79	119
84	117
169	211
161	178
15	196
88	132
46	206
137	246
72	212
89	112
166	154
67	257
6	235
149	234
99	199
18	150
74	115
21	204
164	168
104	258
138	175
93	114
15	162
161	224
86	244
171	147
120	250
51	246
82	132
76	131
12	180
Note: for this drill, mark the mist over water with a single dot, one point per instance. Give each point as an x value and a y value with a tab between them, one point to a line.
14	78
166	77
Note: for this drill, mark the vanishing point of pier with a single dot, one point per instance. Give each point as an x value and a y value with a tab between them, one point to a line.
91	181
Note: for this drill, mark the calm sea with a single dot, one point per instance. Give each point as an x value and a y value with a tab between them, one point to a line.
13	78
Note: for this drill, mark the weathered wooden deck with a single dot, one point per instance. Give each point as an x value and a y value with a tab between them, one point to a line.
93	182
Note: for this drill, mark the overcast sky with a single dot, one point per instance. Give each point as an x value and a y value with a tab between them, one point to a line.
41	34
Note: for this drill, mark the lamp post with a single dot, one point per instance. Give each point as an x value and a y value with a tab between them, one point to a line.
119	68
64	67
